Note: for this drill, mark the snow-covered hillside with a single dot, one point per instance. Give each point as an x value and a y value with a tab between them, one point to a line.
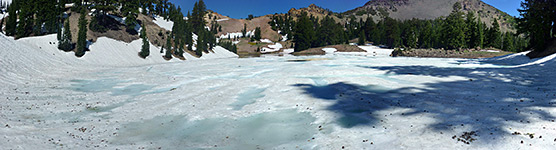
112	99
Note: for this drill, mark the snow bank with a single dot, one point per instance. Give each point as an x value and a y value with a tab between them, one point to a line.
225	19
219	52
266	41
288	51
108	52
231	35
163	23
237	34
284	38
272	48
329	50
376	51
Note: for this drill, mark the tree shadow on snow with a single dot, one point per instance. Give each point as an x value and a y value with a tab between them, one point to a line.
486	101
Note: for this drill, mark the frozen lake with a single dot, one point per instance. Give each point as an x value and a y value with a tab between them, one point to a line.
311	102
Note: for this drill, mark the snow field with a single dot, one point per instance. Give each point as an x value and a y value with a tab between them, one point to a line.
55	101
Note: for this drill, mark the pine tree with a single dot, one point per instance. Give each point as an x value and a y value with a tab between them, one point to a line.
494	35
362	39
257	36
369	26
201	44
392	33
244	31
168	54
25	24
197	18
145	49
304	33
508	42
471	34
189	33
65	40
426	38
82	35
480	33
411	40
130	9
455	29
11	23
538	23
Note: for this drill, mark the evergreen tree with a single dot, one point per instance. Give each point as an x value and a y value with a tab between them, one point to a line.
304	33
25	24
485	31
329	33
455	28
480	33
201	44
392	33
362	39
471	33
189	33
82	35
378	33
411	37
11	23
494	35
538	23
426	38
168	54
508	44
197	18
145	49
438	33
130	9
244	30
257	36
64	43
369	26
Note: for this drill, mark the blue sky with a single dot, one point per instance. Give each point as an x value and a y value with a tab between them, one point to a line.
242	8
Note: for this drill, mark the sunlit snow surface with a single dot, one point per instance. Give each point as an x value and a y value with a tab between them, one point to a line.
311	102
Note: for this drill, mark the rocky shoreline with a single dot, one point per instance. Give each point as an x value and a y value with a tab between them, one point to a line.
440	53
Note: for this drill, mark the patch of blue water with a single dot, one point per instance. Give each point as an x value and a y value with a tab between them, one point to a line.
248	97
94	86
108	85
133	90
285	129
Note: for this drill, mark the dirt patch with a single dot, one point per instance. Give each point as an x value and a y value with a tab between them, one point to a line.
339	48
120	34
311	51
156	35
346	48
439	53
236	25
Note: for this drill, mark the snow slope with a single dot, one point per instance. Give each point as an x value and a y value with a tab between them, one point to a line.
51	100
163	23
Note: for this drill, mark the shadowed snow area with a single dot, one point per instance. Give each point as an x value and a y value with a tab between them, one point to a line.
52	100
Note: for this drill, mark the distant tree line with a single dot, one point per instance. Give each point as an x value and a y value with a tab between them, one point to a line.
456	31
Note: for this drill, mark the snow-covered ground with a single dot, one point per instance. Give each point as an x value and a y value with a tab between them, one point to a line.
51	100
272	48
163	23
237	34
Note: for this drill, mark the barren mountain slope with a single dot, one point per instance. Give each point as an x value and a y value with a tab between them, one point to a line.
430	9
